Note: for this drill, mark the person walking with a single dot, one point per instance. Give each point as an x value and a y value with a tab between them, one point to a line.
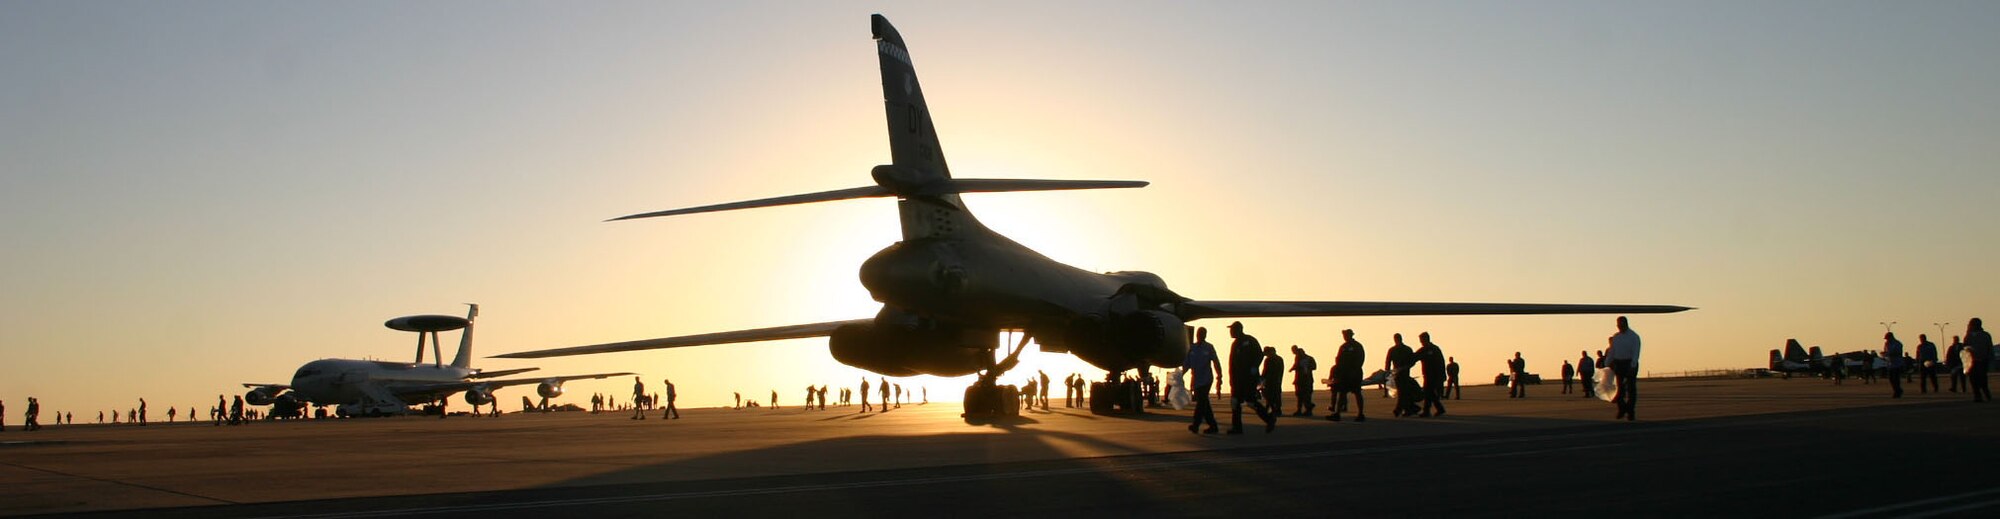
1892	352
671	395
1200	359
1044	388
1401	363
638	396
1451	378
1517	381
1083	399
1432	359
1625	365
1954	362
1244	356
1568	372
1927	365
1303	366
1274	380
1586	369
1346	378
1981	345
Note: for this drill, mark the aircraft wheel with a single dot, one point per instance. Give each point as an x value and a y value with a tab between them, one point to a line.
1101	399
978	402
1009	401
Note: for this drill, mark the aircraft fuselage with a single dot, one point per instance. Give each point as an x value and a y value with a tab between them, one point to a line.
344	381
981	280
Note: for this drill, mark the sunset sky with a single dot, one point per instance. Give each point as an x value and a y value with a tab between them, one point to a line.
199	194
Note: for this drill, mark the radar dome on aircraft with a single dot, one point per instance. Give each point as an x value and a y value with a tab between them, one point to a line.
427	323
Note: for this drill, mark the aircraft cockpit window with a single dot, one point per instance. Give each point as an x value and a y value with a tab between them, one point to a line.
303	373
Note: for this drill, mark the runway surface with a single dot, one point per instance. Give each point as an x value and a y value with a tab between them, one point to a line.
1797	447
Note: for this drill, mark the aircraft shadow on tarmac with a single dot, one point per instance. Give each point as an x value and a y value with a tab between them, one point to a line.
1731	465
979	451
820	461
1691	465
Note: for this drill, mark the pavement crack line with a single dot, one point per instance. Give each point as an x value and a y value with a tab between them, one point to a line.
123	483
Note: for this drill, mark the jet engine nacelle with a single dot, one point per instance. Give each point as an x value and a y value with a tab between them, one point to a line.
479	396
549	388
898	351
1134	339
261	396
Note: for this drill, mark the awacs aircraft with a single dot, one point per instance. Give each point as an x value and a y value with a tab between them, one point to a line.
952	285
375	388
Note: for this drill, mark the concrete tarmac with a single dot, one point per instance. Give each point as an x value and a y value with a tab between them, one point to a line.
1799	447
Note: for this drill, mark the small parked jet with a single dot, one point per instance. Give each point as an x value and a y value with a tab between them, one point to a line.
952	285
377	388
1796	359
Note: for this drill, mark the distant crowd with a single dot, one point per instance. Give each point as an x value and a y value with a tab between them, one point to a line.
1417	380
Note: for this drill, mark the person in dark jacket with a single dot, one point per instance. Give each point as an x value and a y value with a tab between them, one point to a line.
1245	357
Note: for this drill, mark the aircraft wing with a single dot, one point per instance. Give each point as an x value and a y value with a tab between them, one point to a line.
797	331
1192	310
497	384
501	373
272	386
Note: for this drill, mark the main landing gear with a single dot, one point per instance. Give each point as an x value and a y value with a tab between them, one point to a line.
987	397
1117	395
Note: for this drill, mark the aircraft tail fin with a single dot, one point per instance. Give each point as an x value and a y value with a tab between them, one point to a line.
917	174
1776	360
464	358
913	141
1795	352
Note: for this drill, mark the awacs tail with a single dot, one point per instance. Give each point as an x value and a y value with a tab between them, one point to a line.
917	173
464	357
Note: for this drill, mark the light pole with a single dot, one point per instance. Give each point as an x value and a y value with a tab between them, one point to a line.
1888	327
1941	330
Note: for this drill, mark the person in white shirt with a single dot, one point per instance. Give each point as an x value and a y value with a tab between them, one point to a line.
1625	364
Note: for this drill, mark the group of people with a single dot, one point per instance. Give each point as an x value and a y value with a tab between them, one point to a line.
643	401
32	417
1256	376
1968	360
1036	391
892	395
1618	365
1073	392
1257	373
1246	358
